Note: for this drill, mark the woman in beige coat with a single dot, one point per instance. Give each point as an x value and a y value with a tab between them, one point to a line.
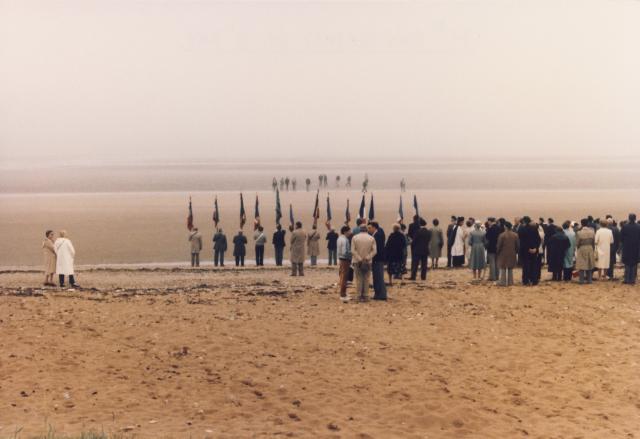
585	256
49	254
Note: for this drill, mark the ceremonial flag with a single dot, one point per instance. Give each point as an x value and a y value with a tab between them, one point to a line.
347	214
361	211
216	213
291	220
190	217
256	214
316	209
328	222
243	214
400	211
372	213
278	207
415	204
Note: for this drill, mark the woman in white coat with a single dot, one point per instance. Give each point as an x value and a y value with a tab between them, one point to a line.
64	263
603	240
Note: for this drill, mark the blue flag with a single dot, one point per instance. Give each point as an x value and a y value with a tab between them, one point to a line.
361	211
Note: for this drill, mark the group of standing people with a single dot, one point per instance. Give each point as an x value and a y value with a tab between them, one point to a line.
300	247
323	182
582	249
59	256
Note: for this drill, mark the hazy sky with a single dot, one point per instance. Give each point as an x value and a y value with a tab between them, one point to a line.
177	78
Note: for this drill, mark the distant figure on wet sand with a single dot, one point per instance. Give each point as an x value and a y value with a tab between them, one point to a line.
219	247
363	249
196	247
278	244
296	247
313	243
239	248
49	254
65	254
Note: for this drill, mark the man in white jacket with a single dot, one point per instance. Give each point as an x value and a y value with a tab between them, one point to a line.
65	255
363	249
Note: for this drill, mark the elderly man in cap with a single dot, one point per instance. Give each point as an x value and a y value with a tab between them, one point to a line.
363	249
196	247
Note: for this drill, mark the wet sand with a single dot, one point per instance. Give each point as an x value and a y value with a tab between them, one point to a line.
253	353
150	227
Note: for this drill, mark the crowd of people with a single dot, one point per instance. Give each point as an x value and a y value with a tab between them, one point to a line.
492	248
364	253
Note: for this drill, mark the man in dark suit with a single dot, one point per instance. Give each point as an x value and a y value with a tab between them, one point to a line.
529	251
630	239
615	245
450	227
420	251
278	244
377	264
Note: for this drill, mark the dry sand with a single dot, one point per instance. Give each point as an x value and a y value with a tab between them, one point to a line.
251	353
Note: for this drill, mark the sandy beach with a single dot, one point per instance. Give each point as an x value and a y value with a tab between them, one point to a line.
253	353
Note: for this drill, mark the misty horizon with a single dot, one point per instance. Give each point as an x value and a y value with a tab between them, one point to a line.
166	80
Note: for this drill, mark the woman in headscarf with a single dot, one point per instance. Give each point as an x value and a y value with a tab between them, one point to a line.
477	242
585	256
